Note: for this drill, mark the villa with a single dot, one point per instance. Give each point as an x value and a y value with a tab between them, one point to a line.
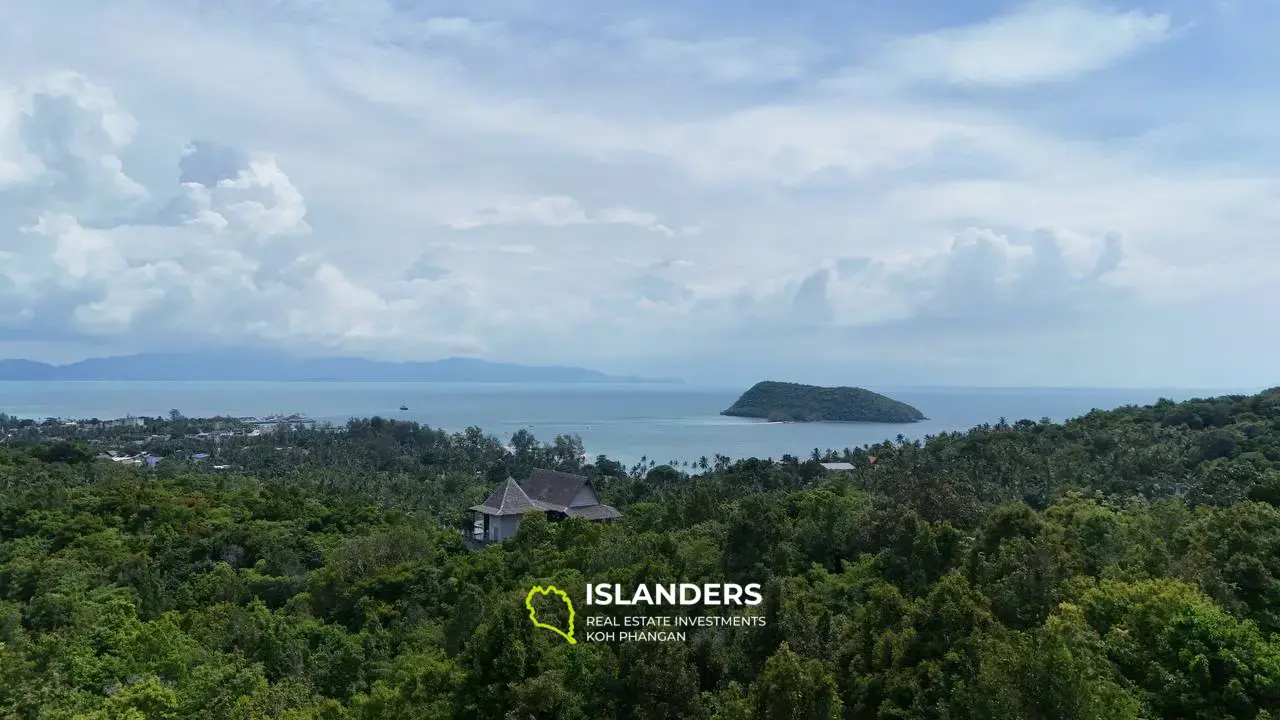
557	494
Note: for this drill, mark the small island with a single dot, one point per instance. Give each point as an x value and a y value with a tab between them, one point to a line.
793	402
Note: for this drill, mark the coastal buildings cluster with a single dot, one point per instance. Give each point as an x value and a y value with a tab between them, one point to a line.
222	427
147	441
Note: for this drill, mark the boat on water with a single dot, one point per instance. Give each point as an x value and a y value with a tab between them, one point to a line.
404	407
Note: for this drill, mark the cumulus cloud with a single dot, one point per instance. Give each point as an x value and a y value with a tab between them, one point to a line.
196	264
993	281
260	201
982	282
209	163
63	142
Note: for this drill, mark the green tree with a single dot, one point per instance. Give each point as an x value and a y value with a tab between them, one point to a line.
795	689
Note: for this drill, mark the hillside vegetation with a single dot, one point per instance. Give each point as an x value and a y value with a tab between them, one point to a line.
1123	565
793	402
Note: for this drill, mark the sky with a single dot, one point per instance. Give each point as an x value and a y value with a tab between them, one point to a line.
875	192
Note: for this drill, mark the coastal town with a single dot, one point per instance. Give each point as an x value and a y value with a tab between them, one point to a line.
221	443
147	441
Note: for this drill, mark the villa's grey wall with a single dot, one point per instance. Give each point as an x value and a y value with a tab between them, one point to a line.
505	526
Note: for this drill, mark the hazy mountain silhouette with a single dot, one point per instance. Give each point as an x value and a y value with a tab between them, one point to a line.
266	366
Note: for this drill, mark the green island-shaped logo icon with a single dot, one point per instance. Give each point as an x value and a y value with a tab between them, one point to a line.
533	615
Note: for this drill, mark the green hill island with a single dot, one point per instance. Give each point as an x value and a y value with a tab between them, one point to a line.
793	402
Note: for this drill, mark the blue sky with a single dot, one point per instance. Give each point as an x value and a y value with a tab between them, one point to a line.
1045	193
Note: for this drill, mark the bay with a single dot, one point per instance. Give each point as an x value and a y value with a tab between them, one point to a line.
625	422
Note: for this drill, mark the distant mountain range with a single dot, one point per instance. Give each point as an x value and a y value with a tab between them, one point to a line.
258	366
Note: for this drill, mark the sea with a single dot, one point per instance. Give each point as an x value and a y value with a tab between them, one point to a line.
626	422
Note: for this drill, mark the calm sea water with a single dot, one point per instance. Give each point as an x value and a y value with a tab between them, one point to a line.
625	422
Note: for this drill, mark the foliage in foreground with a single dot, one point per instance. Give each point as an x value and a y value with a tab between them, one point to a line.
1123	565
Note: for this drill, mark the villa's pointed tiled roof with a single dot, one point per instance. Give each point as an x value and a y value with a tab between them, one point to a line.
548	491
508	499
553	490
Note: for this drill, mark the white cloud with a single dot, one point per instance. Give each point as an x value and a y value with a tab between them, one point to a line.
731	60
555	212
1039	42
457	27
360	178
15	163
980	282
63	138
260	201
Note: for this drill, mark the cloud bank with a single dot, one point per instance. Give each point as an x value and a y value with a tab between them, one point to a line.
671	192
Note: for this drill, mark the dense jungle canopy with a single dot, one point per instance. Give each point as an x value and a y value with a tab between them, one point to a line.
1125	564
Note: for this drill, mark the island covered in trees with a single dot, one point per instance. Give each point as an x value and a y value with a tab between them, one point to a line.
793	402
1123	565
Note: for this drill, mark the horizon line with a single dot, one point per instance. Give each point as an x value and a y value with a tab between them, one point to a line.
631	382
